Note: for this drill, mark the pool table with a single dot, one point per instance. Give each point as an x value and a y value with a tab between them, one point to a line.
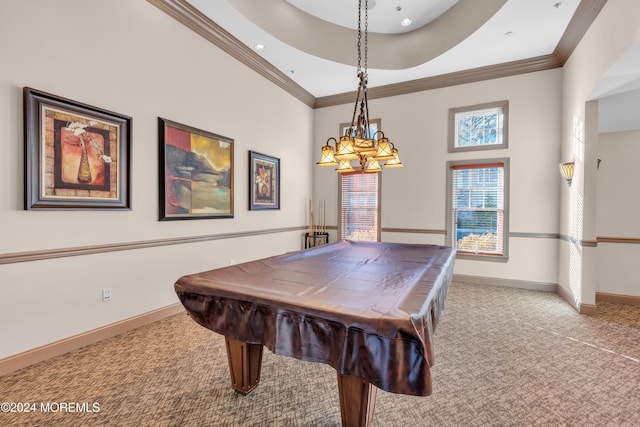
367	309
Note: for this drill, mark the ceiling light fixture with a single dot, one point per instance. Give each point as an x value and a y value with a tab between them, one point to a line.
360	142
259	46
406	22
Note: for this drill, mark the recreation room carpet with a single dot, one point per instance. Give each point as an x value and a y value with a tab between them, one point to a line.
504	357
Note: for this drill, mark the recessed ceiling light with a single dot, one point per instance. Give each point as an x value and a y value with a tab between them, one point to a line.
406	22
259	46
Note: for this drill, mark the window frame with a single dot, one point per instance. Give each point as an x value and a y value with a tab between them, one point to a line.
449	208
378	207
479	108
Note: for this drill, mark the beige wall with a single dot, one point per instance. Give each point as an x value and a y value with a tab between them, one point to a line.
414	197
129	57
615	29
617	209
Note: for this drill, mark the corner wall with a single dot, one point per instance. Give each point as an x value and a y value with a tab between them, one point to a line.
615	29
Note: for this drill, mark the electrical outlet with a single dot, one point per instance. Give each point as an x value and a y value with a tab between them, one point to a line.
232	261
106	294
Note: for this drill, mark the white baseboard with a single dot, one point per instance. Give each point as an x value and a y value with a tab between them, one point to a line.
30	357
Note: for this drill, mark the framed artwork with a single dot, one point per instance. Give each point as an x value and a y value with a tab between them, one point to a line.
196	173
76	156
264	182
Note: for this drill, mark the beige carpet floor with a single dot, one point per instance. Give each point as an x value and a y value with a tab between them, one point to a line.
504	357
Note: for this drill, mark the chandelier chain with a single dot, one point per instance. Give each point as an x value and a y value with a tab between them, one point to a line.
359	69
361	142
359	35
366	34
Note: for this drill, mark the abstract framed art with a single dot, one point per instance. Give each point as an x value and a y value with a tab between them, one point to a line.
264	181
196	173
76	156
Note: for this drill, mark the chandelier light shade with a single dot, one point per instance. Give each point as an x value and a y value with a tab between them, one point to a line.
345	166
566	170
360	141
328	156
395	162
345	149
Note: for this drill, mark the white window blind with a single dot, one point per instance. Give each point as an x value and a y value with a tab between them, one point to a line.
359	206
477	208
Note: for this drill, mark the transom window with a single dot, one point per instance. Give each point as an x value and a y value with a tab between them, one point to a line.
359	206
479	127
477	202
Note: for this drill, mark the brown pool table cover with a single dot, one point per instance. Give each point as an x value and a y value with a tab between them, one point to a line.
367	309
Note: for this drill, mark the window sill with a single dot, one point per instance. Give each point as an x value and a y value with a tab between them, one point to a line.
481	257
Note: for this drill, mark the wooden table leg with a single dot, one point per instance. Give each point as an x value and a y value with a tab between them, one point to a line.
357	401
245	361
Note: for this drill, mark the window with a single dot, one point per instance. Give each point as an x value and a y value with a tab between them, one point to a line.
479	127
359	206
477	201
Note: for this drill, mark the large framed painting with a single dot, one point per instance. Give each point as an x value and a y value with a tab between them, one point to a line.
196	173
76	156
264	181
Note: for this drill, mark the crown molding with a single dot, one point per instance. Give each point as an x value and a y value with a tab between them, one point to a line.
582	19
189	16
444	80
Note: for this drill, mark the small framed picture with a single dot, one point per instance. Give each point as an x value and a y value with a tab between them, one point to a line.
76	156
264	181
196	173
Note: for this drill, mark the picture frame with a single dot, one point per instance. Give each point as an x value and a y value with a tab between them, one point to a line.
196	173
77	156
264	181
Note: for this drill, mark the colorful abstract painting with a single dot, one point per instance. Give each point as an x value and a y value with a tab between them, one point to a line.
197	169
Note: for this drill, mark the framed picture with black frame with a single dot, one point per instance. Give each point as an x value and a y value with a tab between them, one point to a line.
76	156
196	173
264	181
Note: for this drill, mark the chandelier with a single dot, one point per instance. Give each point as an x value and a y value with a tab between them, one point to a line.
360	142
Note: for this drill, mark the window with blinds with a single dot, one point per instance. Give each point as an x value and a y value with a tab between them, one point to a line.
359	206
477	219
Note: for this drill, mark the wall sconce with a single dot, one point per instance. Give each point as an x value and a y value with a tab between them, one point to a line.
566	170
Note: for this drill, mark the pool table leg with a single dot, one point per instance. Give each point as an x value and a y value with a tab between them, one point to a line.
357	401
245	361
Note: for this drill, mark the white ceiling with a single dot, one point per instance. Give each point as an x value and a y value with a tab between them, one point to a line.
313	42
536	26
384	16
